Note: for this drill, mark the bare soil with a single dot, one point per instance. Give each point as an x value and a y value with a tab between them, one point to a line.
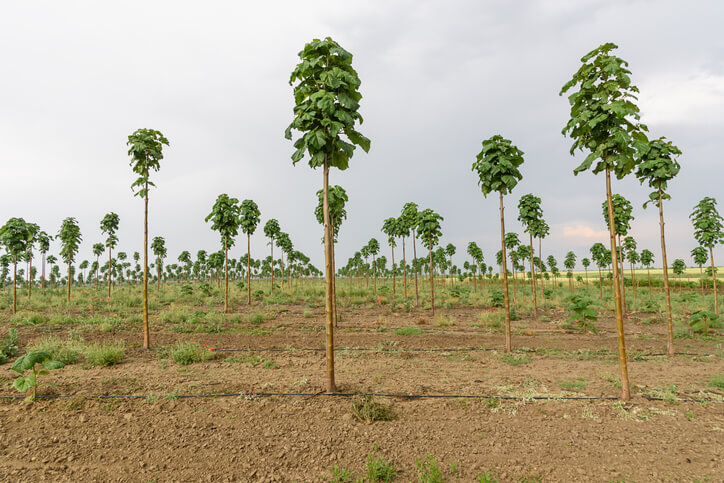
300	438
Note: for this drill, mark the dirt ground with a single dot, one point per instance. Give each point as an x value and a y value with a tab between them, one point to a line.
672	430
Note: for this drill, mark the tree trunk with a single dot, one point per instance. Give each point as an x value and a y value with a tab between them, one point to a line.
329	284
15	284
271	292
414	254
334	285
648	273
713	277
374	272
667	292
542	281
625	388
42	277
600	281
109	272
226	277
701	281
404	267
146	329
622	277
508	342
394	279
432	286
70	278
30	273
248	268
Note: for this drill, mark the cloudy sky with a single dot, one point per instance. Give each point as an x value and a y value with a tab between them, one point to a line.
438	77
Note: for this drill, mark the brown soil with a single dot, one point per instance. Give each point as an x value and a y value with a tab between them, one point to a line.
300	438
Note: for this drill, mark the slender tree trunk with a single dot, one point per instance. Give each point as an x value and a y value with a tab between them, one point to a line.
334	285
329	282
633	285
625	387
667	292
508	342
30	273
622	277
70	277
42	279
414	254
648	273
226	277
713	278
271	292
374	272
109	272
394	279
15	284
542	280
701	281
600	281
432	286
248	268
146	328
404	267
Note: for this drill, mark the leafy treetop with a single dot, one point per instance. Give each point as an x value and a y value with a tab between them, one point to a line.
497	165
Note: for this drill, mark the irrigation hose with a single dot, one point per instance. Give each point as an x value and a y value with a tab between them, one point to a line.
347	394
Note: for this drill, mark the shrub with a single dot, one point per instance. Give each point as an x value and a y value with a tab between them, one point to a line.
186	353
8	346
497	298
105	354
701	320
367	410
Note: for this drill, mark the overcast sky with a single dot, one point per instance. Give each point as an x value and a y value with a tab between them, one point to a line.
438	77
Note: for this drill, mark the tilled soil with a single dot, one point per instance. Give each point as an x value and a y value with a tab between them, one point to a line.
514	420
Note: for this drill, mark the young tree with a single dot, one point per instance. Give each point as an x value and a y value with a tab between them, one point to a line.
109	226
34	229
389	228
146	152
678	266
622	216
657	166
43	246
586	263
16	235
272	231
373	246
410	218
249	220
497	169
700	256
337	199
185	258
709	232
70	239
326	97
570	263
450	251
630	253
604	120
530	216
224	218
158	245
430	232
98	250
647	260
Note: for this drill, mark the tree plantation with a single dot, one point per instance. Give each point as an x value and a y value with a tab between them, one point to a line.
468	360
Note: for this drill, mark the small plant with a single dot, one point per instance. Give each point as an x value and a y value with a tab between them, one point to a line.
186	353
9	345
515	359
581	312
367	411
206	289
340	475
105	354
497	299
429	471
187	289
651	307
487	477
30	362
380	470
701	320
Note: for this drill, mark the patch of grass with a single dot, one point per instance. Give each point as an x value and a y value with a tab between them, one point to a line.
515	359
105	354
487	477
408	331
256	318
379	470
367	411
575	385
341	475
66	351
429	470
717	381
186	353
